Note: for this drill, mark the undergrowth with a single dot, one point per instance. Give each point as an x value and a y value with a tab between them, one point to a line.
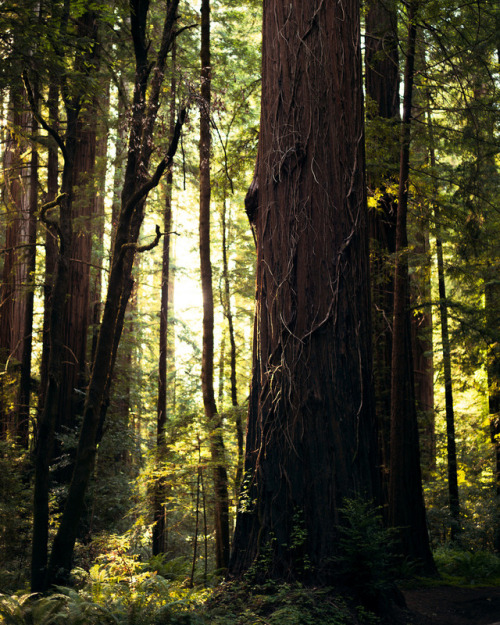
153	600
458	566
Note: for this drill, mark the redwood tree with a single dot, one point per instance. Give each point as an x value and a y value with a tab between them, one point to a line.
137	184
213	418
311	438
406	502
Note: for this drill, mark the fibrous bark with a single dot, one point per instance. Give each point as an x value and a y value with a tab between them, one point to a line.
311	437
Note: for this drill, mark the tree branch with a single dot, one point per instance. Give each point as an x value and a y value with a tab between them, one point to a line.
50	222
31	99
142	192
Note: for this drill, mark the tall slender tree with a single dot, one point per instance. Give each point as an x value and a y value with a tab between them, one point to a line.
160	525
382	89
137	184
406	502
212	416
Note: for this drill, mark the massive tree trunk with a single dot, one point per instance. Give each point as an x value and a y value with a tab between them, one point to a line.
406	502
311	438
63	227
76	311
213	418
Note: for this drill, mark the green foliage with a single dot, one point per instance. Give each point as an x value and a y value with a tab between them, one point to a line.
468	567
15	516
366	561
285	604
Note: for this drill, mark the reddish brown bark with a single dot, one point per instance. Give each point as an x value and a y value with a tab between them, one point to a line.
213	418
226	298
311	438
16	302
422	346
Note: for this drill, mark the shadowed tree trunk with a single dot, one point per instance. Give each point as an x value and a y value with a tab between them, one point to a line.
50	241
226	298
451	449
492	304
213	418
406	502
159	541
137	185
23	409
382	89
63	228
422	325
311	437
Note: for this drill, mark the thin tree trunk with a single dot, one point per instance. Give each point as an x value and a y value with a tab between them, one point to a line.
453	492
453	495
422	325
50	242
230	324
23	414
382	89
406	502
213	419
14	288
492	304
159	527
135	190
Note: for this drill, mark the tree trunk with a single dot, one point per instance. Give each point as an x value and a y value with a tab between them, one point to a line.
77	305
213	419
492	304
15	289
451	449
50	243
406	502
160	526
48	417
226	298
135	190
311	436
421	325
23	411
382	89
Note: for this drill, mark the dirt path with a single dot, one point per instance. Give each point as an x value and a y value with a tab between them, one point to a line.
448	605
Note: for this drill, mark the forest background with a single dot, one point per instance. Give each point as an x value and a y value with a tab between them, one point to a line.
96	100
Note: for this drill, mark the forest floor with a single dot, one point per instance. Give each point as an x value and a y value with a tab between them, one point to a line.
452	605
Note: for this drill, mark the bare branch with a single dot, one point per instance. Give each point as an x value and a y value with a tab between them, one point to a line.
50	222
31	99
142	192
